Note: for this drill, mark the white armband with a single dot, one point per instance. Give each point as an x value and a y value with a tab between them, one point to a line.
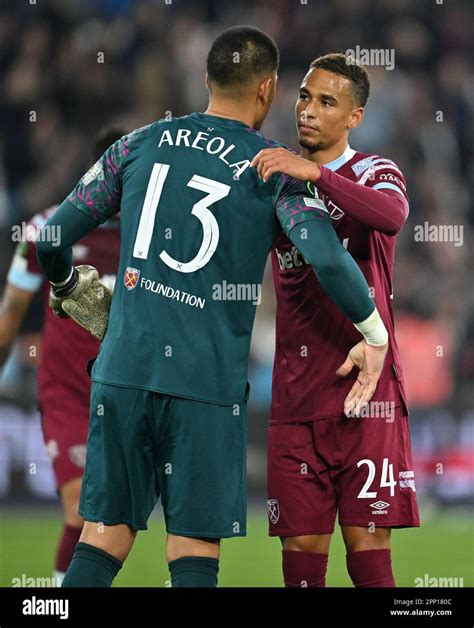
373	330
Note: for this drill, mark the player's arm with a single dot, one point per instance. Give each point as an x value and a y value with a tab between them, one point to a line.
24	279
307	223
77	292
382	206
55	255
94	199
13	307
338	274
344	282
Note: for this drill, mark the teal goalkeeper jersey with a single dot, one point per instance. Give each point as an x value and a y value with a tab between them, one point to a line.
197	224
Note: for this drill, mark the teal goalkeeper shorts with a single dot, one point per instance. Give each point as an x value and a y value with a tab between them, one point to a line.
144	445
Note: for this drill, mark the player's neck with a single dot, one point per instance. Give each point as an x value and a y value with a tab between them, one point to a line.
326	155
230	111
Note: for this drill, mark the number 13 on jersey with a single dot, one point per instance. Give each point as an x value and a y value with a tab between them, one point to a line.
215	191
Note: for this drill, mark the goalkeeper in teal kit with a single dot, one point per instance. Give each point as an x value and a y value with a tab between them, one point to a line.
169	385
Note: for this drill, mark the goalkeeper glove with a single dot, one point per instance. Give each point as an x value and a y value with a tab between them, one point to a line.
84	299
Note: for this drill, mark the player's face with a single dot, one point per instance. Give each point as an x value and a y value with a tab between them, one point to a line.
325	110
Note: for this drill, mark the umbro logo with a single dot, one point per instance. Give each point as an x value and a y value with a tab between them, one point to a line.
380	507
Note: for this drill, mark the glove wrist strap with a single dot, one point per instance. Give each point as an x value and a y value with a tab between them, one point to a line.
65	288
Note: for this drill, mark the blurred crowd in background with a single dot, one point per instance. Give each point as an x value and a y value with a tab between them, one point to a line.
69	68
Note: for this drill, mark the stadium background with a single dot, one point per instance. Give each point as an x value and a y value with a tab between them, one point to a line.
419	114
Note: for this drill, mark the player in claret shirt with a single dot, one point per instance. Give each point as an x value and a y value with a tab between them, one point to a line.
169	391
63	382
321	461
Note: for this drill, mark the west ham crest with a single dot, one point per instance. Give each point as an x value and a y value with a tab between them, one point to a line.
130	278
273	510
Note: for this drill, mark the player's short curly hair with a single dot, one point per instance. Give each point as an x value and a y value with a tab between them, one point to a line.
347	66
241	54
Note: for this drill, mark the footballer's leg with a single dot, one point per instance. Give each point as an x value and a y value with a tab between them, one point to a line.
192	562
316	543
64	422
377	492
99	555
358	539
116	540
73	522
119	490
201	466
301	503
305	560
179	546
70	493
368	558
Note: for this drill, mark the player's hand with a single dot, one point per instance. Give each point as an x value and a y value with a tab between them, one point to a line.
87	301
369	360
280	160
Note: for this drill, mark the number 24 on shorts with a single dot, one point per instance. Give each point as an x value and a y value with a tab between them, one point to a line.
387	478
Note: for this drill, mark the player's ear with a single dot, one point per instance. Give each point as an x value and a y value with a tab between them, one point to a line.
206	81
266	90
356	117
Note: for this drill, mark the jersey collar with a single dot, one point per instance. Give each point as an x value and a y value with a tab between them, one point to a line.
341	160
208	119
